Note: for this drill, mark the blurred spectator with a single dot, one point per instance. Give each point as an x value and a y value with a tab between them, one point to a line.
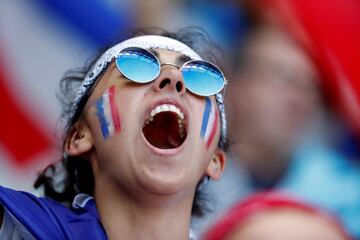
273	96
330	31
282	128
273	216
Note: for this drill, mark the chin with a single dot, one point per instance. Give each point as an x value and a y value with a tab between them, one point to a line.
164	184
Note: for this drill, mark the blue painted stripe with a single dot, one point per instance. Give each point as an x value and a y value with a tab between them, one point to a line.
206	116
102	119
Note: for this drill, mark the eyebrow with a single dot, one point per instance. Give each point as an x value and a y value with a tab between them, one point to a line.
153	51
180	60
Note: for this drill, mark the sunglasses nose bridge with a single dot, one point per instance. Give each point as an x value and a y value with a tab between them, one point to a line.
170	79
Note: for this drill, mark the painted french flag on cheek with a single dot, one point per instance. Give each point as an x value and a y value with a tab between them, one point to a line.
209	122
108	113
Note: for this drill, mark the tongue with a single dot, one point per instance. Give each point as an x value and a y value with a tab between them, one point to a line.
174	142
163	131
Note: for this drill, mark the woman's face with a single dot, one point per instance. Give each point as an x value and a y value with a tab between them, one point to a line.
148	136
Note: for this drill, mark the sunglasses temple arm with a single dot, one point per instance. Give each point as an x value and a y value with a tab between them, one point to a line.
224	89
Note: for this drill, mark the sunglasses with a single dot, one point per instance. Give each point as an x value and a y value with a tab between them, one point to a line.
200	77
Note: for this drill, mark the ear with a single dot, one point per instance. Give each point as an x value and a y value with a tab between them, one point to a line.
217	165
79	140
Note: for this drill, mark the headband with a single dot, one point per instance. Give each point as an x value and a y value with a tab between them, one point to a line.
146	42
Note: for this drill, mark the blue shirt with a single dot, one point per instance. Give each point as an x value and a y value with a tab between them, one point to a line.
42	218
27	217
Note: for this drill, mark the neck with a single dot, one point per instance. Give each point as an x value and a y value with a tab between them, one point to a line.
145	216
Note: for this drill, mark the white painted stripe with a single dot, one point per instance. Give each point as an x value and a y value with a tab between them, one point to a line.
210	123
107	112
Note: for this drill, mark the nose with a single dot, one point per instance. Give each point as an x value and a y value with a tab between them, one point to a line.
170	79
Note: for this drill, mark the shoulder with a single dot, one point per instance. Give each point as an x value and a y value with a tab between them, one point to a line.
45	217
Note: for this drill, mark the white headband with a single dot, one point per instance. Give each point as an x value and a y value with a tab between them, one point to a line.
146	42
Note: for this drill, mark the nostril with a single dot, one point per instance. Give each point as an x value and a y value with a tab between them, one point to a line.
179	86
164	83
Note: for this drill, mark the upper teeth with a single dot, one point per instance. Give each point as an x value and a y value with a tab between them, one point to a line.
166	108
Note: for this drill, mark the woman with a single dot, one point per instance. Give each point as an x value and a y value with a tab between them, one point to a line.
145	128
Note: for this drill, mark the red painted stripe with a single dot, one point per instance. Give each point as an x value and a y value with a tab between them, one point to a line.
114	110
213	130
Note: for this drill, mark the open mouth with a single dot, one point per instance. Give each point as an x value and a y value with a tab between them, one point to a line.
165	128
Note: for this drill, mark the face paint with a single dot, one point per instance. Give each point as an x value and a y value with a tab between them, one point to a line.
209	122
108	113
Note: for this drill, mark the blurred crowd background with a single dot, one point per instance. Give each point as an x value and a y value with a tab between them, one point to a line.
293	98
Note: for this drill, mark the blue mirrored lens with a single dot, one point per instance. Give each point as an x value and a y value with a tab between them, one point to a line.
202	78
138	65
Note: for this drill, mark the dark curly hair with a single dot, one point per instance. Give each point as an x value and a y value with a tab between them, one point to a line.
75	174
